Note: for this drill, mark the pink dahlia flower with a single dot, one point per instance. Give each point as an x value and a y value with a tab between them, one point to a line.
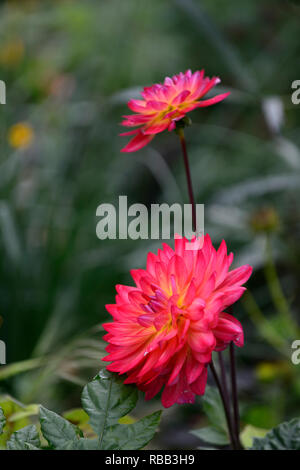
167	326
163	105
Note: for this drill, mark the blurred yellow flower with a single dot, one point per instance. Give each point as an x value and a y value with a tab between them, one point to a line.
11	53
20	135
270	371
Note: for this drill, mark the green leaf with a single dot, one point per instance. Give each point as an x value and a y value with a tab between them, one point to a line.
2	420
57	430
133	436
84	444
106	399
212	435
249	433
213	408
25	439
10	408
286	436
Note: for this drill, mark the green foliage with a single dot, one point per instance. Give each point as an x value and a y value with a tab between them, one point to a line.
286	436
59	432
25	439
212	435
2	421
217	433
213	407
105	400
13	416
249	433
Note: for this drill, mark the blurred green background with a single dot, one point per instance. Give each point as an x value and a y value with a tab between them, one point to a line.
70	67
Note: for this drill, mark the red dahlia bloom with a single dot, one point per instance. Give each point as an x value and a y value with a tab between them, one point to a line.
163	105
165	328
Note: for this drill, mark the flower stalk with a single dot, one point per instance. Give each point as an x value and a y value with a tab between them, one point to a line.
180	132
225	406
233	425
236	413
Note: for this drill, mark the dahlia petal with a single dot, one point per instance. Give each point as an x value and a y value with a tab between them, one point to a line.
168	81
207	248
186	396
182	332
198	387
196	79
190	294
206	85
167	353
196	309
151	360
123	291
146	284
231	295
172	126
128	329
193	369
154	388
112	309
188	107
208	286
136	119
137	274
201	341
138	106
170	395
180	272
138	142
151	261
157	128
210	84
180	245
179	361
134	132
211	101
145	320
203	358
162	276
161	320
162	256
175	114
222	263
180	97
157	105
228	329
237	276
123	340
136	297
200	268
